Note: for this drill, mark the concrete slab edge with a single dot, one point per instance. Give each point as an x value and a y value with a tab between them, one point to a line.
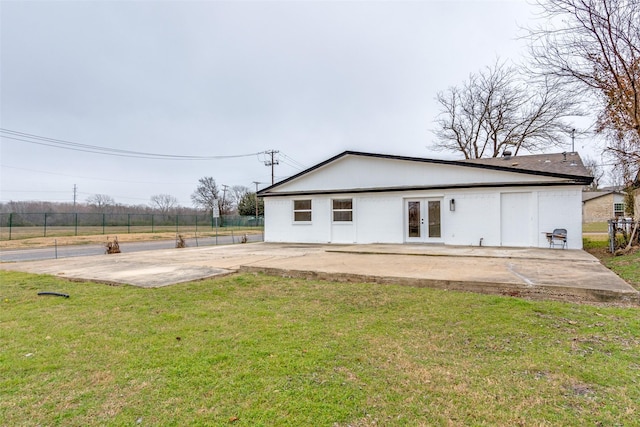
537	292
137	285
448	255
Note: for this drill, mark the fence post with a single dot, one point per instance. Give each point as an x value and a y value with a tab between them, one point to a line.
152	215
129	223
612	236
10	221
177	216
103	218
45	225
76	223
196	228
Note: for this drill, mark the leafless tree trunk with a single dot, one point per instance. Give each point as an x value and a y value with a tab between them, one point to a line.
496	109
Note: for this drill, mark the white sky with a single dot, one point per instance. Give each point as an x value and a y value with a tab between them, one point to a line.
206	78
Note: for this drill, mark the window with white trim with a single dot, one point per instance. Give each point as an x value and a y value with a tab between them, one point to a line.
342	210
302	210
618	209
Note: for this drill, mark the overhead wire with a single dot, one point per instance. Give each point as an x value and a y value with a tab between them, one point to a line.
296	163
91	178
95	149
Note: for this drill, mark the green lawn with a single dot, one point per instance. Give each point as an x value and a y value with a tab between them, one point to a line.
625	266
265	351
595	227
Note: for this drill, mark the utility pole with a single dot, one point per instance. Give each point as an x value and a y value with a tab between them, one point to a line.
224	195
256	183
272	163
75	191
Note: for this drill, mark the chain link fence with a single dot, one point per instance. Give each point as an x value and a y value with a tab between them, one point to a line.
622	232
15	226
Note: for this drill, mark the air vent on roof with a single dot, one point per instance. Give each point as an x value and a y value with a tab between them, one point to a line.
506	154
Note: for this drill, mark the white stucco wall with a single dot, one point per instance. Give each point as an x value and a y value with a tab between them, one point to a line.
559	208
380	218
478	214
356	172
476	217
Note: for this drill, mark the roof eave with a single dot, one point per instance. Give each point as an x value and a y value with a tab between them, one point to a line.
425	160
419	188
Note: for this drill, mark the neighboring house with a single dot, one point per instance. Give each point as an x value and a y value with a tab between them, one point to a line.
359	197
598	206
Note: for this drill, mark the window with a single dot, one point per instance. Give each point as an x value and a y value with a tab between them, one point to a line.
618	209
302	210
343	210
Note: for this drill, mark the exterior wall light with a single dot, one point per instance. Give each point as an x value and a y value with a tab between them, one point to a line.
452	205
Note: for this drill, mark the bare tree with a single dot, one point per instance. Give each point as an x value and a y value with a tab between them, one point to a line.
165	203
596	170
496	109
206	195
237	193
594	46
101	201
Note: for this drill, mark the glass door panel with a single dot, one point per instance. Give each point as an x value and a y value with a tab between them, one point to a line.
434	218
414	219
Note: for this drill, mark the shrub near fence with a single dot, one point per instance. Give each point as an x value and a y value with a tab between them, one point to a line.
27	225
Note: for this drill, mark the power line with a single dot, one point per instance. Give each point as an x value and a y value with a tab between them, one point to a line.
92	178
293	162
95	149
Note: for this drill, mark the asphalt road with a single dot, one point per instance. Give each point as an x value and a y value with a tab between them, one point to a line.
126	247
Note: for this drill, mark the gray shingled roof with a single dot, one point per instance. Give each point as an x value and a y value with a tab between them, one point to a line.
561	163
590	195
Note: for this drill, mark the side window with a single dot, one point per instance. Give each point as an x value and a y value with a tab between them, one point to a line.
618	209
342	210
302	210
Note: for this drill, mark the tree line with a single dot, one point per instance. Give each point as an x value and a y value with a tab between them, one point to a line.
235	200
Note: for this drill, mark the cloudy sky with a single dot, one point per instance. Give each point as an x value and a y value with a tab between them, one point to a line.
213	79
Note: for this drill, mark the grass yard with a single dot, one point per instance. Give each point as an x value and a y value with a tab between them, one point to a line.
595	227
252	350
625	266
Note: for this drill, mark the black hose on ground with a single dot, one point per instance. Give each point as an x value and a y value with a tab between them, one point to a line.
57	294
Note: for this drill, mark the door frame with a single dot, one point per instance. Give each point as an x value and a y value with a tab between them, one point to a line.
424	220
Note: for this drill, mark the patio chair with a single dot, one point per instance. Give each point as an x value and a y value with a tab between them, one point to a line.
558	237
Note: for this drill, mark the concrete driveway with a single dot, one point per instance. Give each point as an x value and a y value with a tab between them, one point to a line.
537	273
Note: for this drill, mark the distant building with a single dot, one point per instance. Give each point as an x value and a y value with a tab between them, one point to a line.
598	206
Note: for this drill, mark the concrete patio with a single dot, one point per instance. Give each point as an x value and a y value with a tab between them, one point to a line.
571	275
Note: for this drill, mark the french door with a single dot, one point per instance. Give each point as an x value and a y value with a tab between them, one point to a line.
423	220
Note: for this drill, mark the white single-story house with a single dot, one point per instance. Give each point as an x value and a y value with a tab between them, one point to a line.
358	197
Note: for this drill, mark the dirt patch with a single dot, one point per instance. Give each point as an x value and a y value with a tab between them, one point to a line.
600	253
604	255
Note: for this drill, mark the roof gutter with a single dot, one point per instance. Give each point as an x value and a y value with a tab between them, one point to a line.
267	193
